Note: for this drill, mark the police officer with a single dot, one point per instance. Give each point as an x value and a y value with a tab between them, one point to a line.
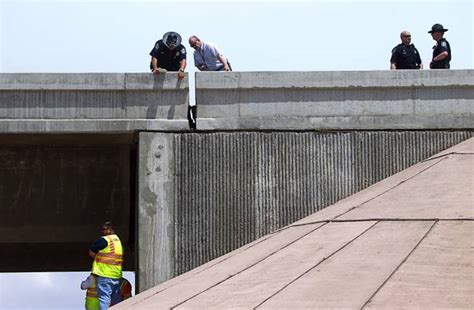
168	54
405	55
442	50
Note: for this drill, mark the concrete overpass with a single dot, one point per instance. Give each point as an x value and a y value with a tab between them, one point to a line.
271	148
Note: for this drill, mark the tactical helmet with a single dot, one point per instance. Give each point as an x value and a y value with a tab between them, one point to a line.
172	40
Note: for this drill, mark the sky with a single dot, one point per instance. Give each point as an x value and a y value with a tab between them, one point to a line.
117	36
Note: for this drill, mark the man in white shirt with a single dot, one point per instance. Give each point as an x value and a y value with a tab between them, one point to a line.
207	56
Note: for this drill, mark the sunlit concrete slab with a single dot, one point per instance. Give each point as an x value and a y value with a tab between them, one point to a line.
440	272
210	275
349	278
263	280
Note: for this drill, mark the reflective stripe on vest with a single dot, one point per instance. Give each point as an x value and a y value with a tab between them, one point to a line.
108	261
92	291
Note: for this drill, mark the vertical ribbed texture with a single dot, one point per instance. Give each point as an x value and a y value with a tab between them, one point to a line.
235	187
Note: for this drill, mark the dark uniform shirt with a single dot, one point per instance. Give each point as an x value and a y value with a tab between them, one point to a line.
405	57
168	59
441	46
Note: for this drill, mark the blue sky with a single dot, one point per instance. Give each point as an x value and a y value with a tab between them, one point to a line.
116	36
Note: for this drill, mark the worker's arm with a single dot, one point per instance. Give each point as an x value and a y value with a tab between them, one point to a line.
98	245
224	61
182	66
199	61
441	56
394	59
92	254
418	59
154	65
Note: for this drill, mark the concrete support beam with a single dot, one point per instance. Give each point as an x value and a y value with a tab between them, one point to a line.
156	190
366	100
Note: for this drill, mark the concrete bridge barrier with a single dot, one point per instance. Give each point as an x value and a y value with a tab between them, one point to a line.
50	102
352	100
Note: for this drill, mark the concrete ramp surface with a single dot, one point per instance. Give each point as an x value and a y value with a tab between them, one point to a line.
405	242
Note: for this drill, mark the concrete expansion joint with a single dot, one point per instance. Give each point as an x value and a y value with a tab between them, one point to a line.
377	219
257	262
447	155
399	265
325	258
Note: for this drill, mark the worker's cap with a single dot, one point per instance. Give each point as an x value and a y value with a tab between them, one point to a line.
437	28
172	40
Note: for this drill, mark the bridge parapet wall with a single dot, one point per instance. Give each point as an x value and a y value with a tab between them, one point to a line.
351	100
85	102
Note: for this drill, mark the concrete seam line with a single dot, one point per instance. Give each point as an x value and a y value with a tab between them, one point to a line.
385	220
317	264
252	265
399	265
388	190
446	155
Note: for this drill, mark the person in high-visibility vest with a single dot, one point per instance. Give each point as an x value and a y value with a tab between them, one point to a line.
92	302
89	284
107	253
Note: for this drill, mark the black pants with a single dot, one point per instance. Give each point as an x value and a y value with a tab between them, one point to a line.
192	117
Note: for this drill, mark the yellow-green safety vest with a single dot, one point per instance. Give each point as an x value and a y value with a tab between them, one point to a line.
108	261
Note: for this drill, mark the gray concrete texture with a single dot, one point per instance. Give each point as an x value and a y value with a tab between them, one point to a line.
203	195
79	96
118	102
343	257
56	191
408	99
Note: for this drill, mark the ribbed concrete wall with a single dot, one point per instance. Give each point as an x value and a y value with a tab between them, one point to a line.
205	194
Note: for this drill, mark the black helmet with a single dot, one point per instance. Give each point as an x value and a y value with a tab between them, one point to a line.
172	40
